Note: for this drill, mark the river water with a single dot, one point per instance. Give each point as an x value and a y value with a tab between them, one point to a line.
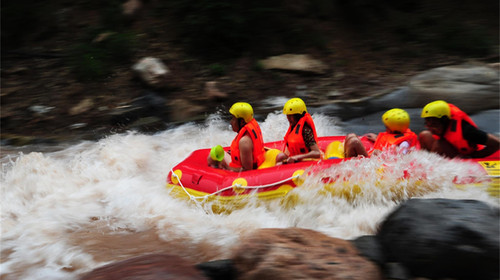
68	211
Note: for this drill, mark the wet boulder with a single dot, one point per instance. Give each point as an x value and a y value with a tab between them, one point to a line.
131	7
442	238
151	267
146	106
472	88
296	253
152	71
369	247
301	63
212	91
218	269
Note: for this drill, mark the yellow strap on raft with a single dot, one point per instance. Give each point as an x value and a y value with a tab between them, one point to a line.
334	150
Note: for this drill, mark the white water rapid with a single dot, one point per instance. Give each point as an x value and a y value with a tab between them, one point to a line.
67	212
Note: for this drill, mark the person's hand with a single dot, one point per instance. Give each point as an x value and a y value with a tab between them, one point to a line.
218	165
371	136
291	159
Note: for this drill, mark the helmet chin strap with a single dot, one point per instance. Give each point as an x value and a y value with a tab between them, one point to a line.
241	123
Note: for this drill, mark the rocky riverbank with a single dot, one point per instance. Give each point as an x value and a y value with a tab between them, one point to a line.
474	87
49	94
430	238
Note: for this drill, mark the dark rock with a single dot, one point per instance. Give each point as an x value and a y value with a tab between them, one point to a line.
218	270
148	124
369	247
396	271
148	267
473	88
440	238
148	105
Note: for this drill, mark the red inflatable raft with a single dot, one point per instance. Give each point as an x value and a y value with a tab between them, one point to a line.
194	179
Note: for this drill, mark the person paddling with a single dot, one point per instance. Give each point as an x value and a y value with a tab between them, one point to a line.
247	149
452	133
301	140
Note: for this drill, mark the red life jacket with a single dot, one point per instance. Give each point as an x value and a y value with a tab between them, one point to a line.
386	139
253	130
454	134
294	140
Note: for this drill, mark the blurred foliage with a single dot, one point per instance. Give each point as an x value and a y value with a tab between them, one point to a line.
225	26
258	66
235	27
465	39
88	62
111	17
217	69
232	28
24	20
464	27
93	61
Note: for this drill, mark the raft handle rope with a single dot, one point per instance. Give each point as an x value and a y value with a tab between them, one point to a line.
195	198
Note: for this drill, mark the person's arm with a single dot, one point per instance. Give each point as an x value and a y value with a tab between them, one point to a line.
286	151
477	136
371	136
246	155
310	141
246	152
314	153
492	145
353	147
404	147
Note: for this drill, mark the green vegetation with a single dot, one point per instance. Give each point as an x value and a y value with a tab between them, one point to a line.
220	29
464	39
217	69
24	20
88	62
93	61
258	66
226	27
27	21
464	27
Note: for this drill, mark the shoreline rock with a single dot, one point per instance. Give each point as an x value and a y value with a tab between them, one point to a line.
435	238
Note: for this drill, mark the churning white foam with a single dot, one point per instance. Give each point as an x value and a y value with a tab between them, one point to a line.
115	188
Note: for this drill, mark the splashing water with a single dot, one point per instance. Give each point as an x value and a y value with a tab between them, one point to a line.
67	212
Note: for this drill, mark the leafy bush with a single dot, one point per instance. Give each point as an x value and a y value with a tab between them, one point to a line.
120	47
88	62
227	27
92	61
217	69
23	19
463	39
111	15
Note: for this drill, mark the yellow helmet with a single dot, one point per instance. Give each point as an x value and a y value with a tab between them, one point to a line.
436	109
396	120
242	110
294	106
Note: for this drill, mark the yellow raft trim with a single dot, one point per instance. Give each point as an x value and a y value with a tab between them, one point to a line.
493	169
179	192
